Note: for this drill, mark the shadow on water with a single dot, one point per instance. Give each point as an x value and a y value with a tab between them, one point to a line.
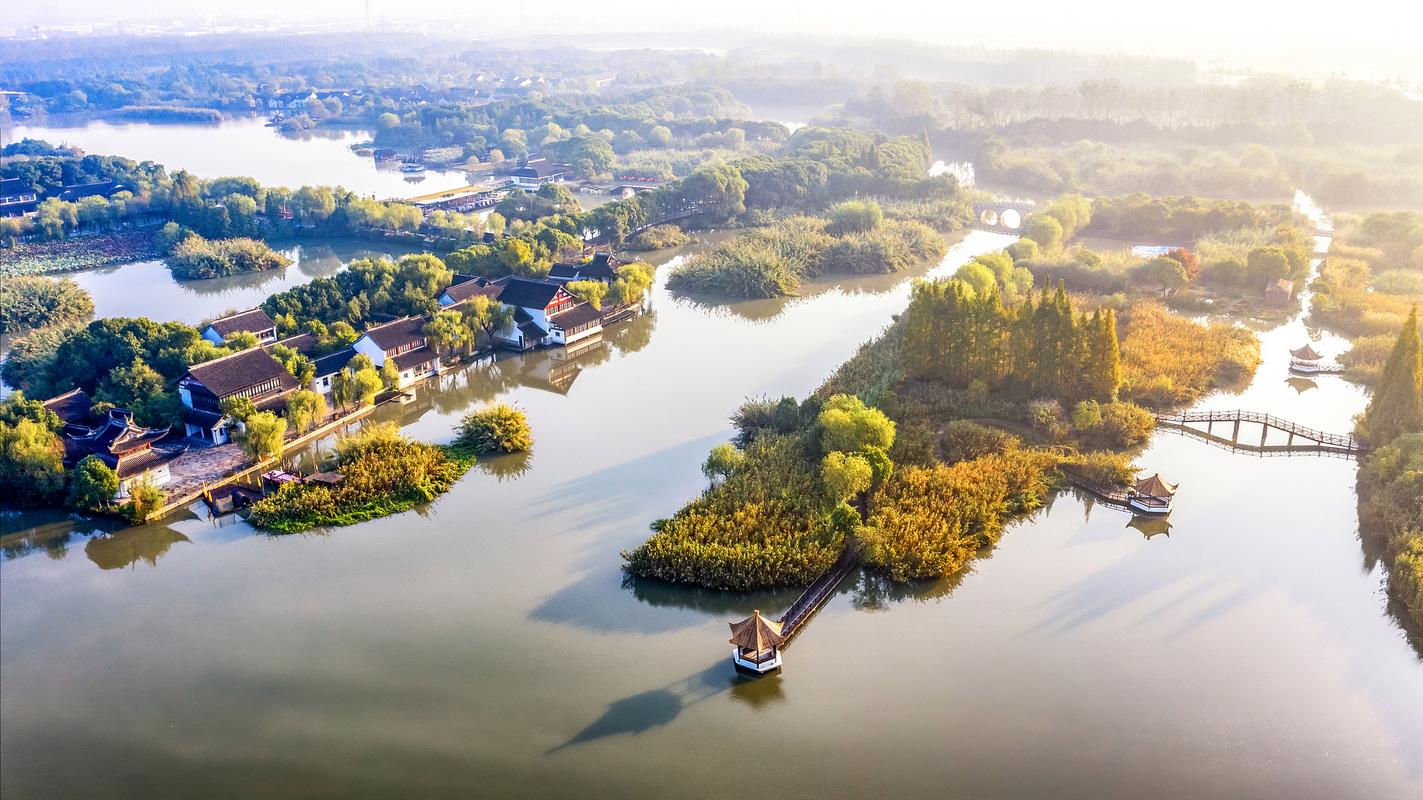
655	708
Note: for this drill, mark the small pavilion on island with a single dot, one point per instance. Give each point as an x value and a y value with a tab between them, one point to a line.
1305	359
757	644
1152	496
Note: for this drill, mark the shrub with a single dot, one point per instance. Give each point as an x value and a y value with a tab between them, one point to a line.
194	257
143	500
658	237
1169	360
1111	470
929	522
962	440
500	428
1047	416
1086	415
770	523
1122	424
384	473
854	216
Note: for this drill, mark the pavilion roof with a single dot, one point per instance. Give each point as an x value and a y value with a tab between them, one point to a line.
756	633
1306	353
1155	487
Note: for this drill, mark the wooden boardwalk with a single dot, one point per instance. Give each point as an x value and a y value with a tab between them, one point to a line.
1298	438
817	593
1115	497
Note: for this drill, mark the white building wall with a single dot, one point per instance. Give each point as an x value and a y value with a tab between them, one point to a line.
370	349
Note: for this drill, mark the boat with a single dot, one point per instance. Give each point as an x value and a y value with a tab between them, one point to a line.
412	167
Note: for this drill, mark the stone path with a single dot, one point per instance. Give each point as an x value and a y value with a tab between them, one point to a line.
203	465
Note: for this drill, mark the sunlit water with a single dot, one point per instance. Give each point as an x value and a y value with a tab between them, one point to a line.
147	288
245	146
488	645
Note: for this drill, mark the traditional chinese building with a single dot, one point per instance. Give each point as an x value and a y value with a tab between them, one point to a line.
254	321
251	373
129	450
403	342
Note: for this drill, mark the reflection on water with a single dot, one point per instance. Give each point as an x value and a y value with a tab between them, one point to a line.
126	548
147	288
492	640
245	146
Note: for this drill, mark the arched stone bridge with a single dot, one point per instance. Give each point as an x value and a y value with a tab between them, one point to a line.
1002	215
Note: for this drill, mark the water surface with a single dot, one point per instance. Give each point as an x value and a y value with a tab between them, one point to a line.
488	644
148	288
245	146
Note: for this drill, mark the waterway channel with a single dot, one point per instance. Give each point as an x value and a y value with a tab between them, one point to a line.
488	644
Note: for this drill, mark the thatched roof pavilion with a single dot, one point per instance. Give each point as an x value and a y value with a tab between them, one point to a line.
1155	487
758	642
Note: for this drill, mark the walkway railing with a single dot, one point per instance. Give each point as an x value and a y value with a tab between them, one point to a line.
1321	440
817	593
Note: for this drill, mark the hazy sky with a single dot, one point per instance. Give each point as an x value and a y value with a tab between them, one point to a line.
1247	30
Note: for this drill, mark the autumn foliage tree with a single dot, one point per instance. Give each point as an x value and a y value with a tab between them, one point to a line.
1397	404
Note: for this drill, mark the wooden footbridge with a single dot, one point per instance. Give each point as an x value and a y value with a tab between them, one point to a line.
1299	439
817	593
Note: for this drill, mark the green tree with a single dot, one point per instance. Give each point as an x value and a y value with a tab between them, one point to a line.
93	484
845	475
1397	404
448	334
305	410
591	291
238	409
295	362
363	385
1045	230
1266	264
390	375
263	437
485	315
1168	273
847	424
659	136
130	386
722	461
31	462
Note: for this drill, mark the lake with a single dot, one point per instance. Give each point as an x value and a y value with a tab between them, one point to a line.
245	146
147	288
489	645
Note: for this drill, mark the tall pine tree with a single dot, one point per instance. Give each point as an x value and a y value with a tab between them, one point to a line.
1397	404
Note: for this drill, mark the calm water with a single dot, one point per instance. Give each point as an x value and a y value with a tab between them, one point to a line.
245	146
147	288
488	645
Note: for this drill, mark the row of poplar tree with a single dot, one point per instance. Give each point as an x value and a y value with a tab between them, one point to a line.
956	336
